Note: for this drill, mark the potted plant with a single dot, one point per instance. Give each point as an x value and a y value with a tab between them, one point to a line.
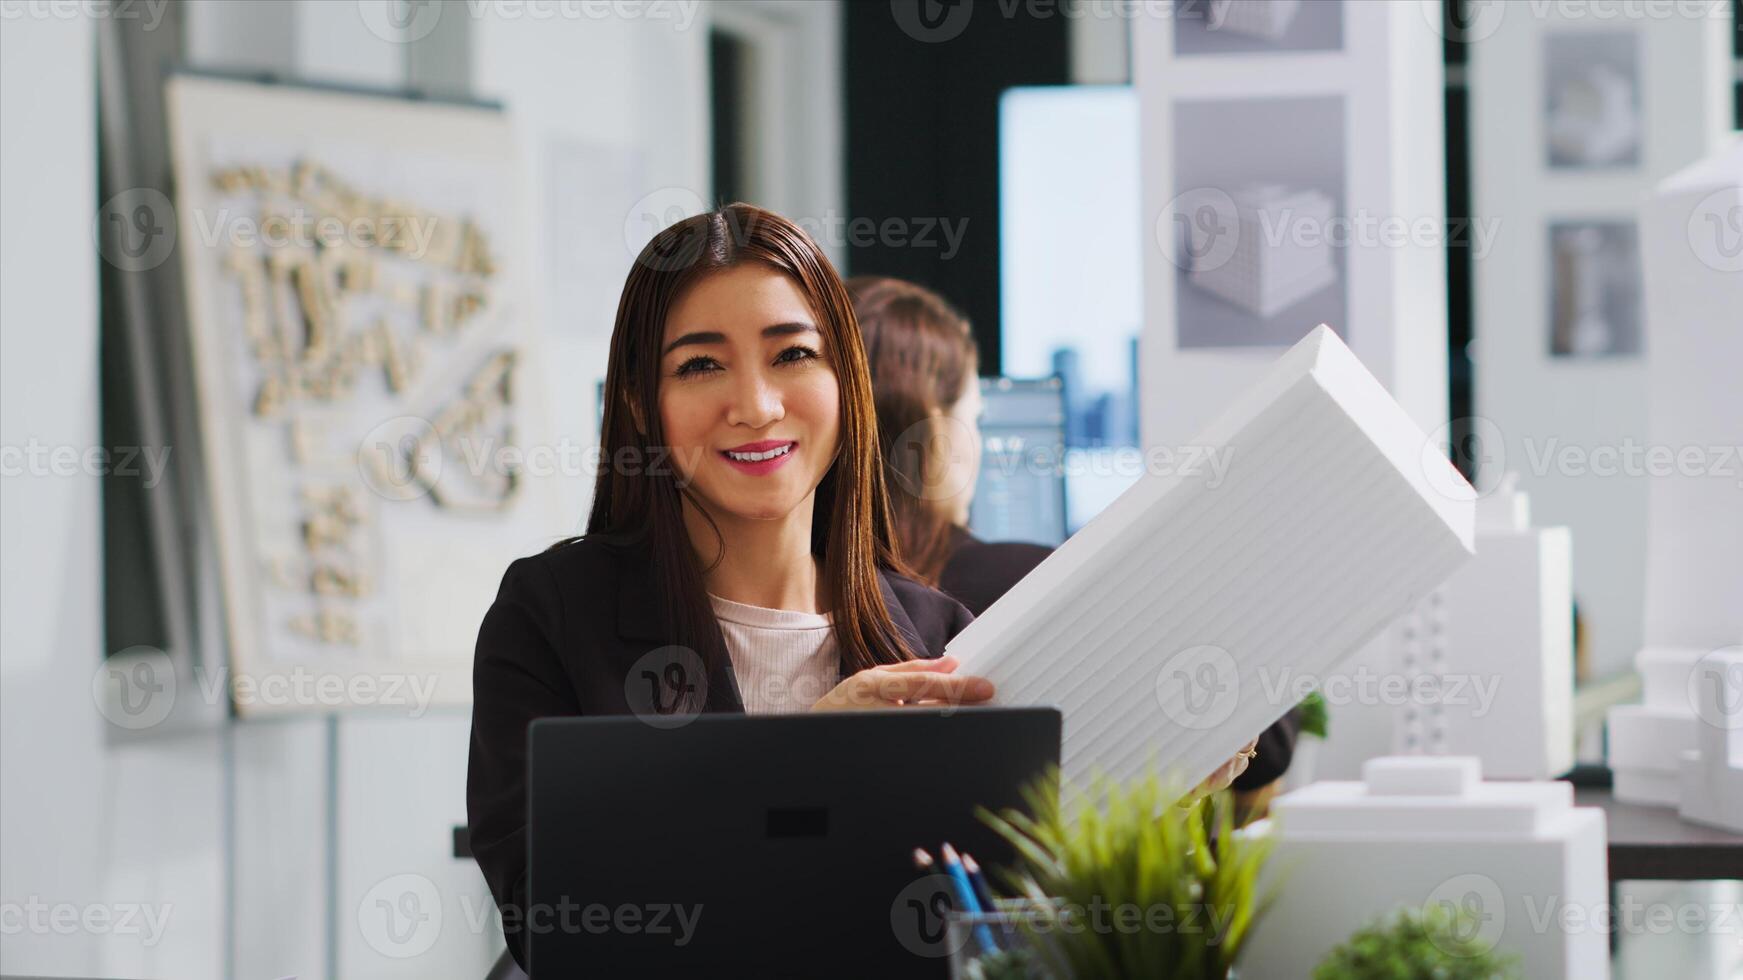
1315	722
1126	882
1433	941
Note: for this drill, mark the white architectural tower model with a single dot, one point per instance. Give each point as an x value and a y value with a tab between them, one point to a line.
1504	668
1518	859
1691	238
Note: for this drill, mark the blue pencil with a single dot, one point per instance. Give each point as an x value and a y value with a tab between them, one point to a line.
965	894
978	880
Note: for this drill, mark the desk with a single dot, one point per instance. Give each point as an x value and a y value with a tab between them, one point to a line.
1654	843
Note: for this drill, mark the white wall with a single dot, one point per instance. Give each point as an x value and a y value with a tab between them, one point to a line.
102	834
608	110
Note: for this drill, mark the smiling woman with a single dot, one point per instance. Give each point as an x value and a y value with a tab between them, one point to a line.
754	571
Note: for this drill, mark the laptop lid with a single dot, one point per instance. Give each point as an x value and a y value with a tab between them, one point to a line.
764	845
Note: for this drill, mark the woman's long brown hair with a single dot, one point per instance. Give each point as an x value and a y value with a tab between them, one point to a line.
922	356
851	530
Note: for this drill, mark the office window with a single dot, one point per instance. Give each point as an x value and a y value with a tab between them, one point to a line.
1071	296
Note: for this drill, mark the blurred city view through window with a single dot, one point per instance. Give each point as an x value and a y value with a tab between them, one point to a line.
1071	294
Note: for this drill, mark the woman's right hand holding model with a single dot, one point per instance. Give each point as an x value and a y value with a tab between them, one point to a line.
917	683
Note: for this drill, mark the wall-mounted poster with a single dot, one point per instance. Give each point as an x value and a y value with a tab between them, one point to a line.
367	384
1591	99
1259	199
1257	26
1595	288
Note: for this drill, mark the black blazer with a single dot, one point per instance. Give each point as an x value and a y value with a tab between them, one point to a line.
978	573
562	637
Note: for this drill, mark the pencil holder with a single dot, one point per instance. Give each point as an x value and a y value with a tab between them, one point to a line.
1019	932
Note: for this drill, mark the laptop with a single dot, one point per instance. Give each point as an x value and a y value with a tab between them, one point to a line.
768	846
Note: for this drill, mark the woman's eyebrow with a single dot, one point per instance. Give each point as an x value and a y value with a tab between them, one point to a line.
716	337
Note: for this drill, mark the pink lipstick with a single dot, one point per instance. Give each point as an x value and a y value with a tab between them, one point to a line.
760	458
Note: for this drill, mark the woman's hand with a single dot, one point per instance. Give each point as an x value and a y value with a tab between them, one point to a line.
1225	775
922	683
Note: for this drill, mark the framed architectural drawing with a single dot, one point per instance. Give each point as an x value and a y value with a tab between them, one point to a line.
366	367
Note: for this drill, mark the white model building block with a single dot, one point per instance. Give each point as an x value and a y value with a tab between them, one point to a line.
1647	741
1406	776
1165	628
1526	864
1504	668
1269	19
1691	248
1712	772
1272	265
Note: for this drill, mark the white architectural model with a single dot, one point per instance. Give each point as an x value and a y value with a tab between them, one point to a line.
1501	650
1647	740
1592	119
1691	238
1691	249
1164	628
1712	772
1268	19
1518	858
1273	266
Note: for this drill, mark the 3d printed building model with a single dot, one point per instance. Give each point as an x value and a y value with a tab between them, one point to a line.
1712	772
1273	264
1163	628
1268	19
1525	864
1647	740
1505	665
1691	249
1691	235
1592	119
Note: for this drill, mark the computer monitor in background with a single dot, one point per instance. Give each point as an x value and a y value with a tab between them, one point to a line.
1021	493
